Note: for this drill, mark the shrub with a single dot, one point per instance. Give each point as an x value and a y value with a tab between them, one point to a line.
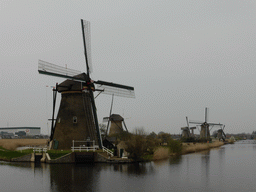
136	147
139	146
175	146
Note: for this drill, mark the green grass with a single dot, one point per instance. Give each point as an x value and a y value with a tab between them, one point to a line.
54	154
6	154
147	157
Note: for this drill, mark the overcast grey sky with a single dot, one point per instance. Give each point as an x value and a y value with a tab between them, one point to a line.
181	56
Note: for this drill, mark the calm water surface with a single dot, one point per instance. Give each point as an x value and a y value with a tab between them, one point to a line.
229	168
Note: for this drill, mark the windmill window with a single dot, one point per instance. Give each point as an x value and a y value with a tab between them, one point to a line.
59	120
74	119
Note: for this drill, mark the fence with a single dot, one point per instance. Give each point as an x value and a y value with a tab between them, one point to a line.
84	147
108	151
39	150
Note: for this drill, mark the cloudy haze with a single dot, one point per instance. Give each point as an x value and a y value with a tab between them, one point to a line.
180	56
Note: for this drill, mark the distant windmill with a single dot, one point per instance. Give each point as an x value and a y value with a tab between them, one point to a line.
77	117
205	132
186	130
221	134
115	122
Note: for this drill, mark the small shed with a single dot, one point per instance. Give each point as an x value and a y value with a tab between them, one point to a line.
121	150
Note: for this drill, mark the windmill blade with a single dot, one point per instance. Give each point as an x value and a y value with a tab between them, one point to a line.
197	128
196	122
224	134
125	126
110	113
111	105
86	32
215	124
211	127
206	114
105	119
187	121
47	68
223	131
94	110
116	89
54	104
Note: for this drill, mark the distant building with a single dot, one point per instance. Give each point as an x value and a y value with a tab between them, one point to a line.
19	131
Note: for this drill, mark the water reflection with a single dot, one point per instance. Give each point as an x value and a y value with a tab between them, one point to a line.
231	167
70	177
177	159
221	160
138	169
205	166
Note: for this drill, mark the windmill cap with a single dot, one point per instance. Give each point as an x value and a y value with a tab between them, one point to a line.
72	85
116	117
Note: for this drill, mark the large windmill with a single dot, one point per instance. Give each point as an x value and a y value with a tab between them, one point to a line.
77	116
205	131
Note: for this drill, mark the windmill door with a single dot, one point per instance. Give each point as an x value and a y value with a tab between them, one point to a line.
121	153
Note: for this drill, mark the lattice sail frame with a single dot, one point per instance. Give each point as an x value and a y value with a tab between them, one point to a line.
109	90
46	67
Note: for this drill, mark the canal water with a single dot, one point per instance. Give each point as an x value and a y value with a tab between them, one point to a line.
228	168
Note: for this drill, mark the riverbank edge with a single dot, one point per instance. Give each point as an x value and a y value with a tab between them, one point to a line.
187	148
198	147
101	158
98	157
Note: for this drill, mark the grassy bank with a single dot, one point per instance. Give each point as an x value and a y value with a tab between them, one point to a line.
196	147
164	152
12	144
161	153
8	146
54	154
7	155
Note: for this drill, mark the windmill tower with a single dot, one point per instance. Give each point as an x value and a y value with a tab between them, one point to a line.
115	122
77	117
205	131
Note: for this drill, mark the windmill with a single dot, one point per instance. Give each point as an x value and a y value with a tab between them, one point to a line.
205	132
77	117
115	122
186	130
220	133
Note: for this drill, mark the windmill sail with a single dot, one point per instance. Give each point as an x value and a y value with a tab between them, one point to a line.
86	27
116	89
58	71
